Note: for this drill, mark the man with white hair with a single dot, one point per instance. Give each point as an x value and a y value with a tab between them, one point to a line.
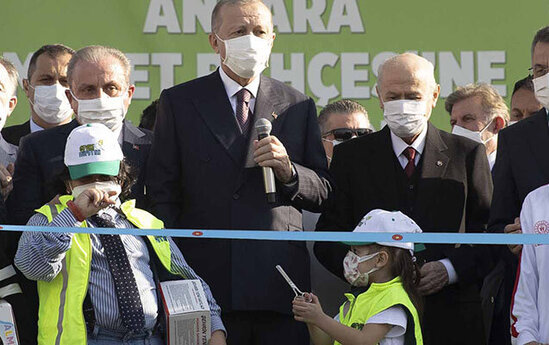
99	91
440	180
478	112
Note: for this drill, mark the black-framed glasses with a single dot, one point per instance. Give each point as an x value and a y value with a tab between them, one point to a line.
347	133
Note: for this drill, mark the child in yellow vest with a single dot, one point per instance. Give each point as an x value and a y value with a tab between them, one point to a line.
382	307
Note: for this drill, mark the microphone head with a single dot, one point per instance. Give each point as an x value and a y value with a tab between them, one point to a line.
263	127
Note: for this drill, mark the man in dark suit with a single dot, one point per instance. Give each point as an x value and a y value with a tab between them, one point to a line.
522	165
40	157
47	70
440	180
203	174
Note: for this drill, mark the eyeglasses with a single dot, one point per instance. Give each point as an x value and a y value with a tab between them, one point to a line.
347	133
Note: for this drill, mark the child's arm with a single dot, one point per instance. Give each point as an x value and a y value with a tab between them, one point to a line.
312	313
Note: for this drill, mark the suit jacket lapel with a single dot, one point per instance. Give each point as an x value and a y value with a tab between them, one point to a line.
216	111
433	167
539	139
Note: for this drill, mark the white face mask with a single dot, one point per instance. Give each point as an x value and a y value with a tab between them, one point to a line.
541	89
511	123
51	103
247	56
334	142
105	186
404	117
351	272
473	135
106	110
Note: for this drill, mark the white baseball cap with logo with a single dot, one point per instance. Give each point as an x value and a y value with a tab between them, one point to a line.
92	149
394	222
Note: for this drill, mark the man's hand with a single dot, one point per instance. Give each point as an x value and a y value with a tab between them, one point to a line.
92	200
6	179
218	338
514	228
309	312
269	152
433	278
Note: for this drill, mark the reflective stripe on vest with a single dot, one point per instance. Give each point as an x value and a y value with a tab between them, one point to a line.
60	317
376	299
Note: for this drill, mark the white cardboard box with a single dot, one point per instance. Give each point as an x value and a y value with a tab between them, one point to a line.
187	312
8	332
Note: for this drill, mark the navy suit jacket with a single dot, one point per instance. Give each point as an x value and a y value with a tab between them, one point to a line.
197	179
40	161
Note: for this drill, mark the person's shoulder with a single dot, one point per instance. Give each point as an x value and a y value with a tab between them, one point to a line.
531	124
192	87
282	90
361	144
539	196
46	135
13	134
458	142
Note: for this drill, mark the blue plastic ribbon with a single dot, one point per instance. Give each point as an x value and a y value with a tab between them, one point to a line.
426	237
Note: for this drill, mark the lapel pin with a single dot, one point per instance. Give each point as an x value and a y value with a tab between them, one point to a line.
135	147
275	115
439	163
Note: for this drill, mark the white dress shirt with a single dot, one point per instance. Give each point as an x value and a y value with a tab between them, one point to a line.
232	87
399	146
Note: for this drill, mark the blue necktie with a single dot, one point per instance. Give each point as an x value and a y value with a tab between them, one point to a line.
127	293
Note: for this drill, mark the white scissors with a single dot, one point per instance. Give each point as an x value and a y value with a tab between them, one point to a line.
295	289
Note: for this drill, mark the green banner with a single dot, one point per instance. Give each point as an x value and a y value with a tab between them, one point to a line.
328	49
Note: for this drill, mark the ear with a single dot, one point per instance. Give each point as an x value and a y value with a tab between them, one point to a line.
72	101
436	93
12	104
379	97
214	42
26	87
131	91
499	124
382	259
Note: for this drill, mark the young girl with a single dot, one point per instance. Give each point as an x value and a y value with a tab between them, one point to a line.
383	305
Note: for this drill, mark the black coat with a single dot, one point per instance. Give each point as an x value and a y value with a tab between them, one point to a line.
40	161
197	179
452	194
522	165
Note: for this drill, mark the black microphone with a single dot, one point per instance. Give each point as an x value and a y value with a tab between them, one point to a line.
263	128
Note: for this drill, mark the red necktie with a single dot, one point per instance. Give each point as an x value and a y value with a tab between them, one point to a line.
410	153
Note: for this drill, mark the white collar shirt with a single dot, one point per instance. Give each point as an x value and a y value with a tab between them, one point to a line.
232	87
399	146
34	127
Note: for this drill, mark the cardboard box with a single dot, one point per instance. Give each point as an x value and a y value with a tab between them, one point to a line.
187	312
8	331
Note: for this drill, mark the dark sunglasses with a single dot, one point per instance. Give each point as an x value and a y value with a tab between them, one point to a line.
347	133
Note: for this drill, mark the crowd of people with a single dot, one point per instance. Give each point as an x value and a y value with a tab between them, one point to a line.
196	162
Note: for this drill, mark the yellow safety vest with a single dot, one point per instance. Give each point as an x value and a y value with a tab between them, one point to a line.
60	316
376	299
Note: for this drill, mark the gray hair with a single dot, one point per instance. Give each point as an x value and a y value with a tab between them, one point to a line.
95	54
343	107
426	64
491	101
216	20
541	36
13	76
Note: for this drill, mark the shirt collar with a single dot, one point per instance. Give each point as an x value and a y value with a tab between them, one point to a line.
492	158
232	87
34	127
400	145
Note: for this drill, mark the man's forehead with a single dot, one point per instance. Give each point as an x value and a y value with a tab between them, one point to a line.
541	53
46	64
255	12
106	69
4	76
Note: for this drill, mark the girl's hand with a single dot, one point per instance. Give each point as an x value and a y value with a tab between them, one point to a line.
310	312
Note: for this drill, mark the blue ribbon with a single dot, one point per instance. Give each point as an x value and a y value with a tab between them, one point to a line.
426	237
